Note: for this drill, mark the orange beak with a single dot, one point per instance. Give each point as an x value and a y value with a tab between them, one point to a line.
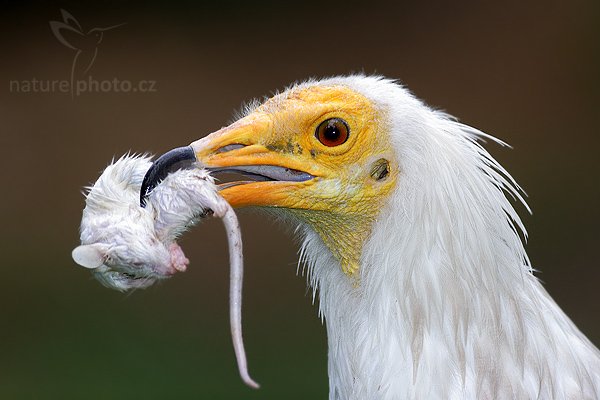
237	148
276	174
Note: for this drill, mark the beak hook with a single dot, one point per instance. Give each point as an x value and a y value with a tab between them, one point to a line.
173	160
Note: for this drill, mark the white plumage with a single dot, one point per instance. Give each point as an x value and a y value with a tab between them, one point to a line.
447	306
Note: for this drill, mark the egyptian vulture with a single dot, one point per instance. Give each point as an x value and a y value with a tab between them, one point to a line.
410	241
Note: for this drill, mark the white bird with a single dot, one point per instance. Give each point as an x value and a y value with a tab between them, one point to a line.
410	241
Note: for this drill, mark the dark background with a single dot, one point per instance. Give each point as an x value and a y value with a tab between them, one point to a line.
527	72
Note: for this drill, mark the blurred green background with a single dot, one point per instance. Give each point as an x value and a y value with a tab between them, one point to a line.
527	72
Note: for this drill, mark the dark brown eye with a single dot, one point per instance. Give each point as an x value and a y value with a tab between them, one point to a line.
333	132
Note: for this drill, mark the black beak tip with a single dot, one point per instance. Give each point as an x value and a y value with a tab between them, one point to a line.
173	160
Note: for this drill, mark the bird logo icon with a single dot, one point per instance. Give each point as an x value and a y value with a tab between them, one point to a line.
70	33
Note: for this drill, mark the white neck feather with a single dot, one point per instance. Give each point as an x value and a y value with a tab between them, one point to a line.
447	306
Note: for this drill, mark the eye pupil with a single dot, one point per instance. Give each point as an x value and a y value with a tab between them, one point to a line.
333	132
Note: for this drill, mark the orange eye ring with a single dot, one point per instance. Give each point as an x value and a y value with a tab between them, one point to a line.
332	132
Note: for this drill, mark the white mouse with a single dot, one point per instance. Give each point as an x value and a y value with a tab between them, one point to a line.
128	246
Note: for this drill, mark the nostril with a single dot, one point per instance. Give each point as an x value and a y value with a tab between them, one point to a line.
230	147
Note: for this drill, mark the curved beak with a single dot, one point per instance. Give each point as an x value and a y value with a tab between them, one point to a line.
275	169
181	157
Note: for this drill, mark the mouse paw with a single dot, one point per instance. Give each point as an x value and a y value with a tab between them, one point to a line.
178	260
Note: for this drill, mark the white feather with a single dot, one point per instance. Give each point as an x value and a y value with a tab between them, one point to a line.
447	306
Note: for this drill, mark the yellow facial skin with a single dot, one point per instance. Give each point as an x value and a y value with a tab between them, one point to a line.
351	181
